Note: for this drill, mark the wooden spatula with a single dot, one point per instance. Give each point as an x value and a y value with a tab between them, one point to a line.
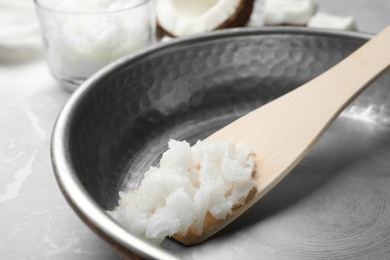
283	131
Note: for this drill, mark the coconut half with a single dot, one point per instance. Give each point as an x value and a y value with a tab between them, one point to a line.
177	18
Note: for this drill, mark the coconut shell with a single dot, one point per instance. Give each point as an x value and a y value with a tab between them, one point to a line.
240	17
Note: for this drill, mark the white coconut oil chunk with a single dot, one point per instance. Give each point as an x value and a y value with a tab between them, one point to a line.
289	12
323	20
210	177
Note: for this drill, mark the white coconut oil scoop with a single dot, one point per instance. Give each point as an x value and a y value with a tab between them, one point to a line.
282	132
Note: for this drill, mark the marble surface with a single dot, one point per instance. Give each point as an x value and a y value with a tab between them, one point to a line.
35	220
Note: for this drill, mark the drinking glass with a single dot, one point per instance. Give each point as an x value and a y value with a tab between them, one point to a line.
80	37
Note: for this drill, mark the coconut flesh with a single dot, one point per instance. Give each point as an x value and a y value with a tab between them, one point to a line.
209	177
178	18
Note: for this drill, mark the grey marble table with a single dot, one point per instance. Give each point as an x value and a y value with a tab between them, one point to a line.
35	220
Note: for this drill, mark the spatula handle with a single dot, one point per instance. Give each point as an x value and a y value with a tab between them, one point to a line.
283	131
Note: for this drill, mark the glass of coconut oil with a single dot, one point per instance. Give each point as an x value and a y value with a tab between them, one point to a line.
81	37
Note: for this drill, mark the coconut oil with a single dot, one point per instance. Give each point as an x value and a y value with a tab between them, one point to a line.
81	37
